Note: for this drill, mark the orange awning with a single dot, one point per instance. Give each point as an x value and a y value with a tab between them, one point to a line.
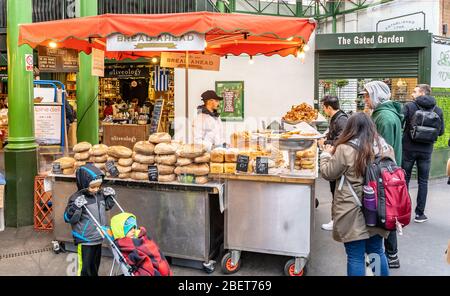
226	34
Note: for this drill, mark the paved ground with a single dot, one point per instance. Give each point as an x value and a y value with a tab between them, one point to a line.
421	247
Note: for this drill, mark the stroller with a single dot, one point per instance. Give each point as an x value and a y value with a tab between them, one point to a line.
119	262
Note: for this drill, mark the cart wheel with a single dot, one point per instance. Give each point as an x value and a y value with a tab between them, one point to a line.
56	247
209	267
289	269
226	264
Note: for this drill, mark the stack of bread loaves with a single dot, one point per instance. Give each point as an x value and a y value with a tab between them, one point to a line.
99	155
81	153
165	156
122	157
306	160
193	160
67	165
217	160
143	156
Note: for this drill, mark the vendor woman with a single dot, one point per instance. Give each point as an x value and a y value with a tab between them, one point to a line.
208	129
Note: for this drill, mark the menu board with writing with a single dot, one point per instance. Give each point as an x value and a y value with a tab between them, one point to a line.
57	59
156	116
242	163
47	124
153	173
262	165
232	106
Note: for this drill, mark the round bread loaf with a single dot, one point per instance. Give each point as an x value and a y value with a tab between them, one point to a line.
205	158
82	147
99	150
166	159
139	167
158	138
181	161
123	169
165	169
144	148
167	178
201	180
66	162
125	162
81	156
144	159
165	149
139	176
120	152
191	150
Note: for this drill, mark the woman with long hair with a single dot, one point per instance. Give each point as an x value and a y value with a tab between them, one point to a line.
356	148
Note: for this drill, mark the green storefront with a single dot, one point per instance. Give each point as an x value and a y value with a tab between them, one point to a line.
344	62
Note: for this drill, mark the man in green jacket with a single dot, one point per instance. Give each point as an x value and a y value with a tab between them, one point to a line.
388	119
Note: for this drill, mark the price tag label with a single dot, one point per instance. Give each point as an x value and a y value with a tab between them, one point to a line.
56	168
262	165
242	163
153	173
112	169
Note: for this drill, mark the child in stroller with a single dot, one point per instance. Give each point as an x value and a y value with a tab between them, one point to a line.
141	253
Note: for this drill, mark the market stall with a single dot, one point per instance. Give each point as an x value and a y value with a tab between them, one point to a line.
167	183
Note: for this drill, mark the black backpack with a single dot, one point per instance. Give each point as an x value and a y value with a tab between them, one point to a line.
425	125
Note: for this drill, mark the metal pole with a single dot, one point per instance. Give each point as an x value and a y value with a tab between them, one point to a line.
20	81
186	110
87	89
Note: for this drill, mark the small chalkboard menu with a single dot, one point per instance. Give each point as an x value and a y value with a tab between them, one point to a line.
56	168
156	116
242	163
112	169
262	165
153	173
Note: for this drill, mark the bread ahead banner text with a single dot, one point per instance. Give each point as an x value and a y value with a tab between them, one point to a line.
165	42
370	40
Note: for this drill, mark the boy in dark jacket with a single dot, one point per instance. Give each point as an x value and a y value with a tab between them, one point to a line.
419	153
338	122
84	231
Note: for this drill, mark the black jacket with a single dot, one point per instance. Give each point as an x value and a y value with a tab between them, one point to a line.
337	126
84	230
426	103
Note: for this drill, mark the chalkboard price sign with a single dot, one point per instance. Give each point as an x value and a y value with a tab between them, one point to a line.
156	116
112	169
262	165
242	163
153	173
56	168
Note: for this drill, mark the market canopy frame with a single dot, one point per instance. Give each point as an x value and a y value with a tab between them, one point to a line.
225	34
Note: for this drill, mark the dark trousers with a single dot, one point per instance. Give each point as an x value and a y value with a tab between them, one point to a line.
423	161
89	259
390	244
332	189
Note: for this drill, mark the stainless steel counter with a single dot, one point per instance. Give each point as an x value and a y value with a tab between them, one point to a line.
184	219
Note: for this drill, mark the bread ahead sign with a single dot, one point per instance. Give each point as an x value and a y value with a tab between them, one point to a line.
164	42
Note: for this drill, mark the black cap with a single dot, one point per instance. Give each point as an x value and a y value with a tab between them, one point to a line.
210	94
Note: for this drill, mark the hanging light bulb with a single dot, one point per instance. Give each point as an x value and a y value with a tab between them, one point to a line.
290	38
251	61
306	48
205	44
154	60
301	54
53	44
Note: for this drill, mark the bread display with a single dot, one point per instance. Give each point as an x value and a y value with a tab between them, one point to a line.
144	159
125	162
229	168
139	167
201	180
82	156
231	155
139	176
165	169
158	138
205	158
144	148
165	149
218	155
123	169
66	162
191	150
98	150
193	169
101	159
181	161
217	168
167	178
166	159
82	147
120	152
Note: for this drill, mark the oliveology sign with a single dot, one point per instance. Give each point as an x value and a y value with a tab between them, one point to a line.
400	39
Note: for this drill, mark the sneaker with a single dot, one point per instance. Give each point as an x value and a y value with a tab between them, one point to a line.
393	261
328	226
421	218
